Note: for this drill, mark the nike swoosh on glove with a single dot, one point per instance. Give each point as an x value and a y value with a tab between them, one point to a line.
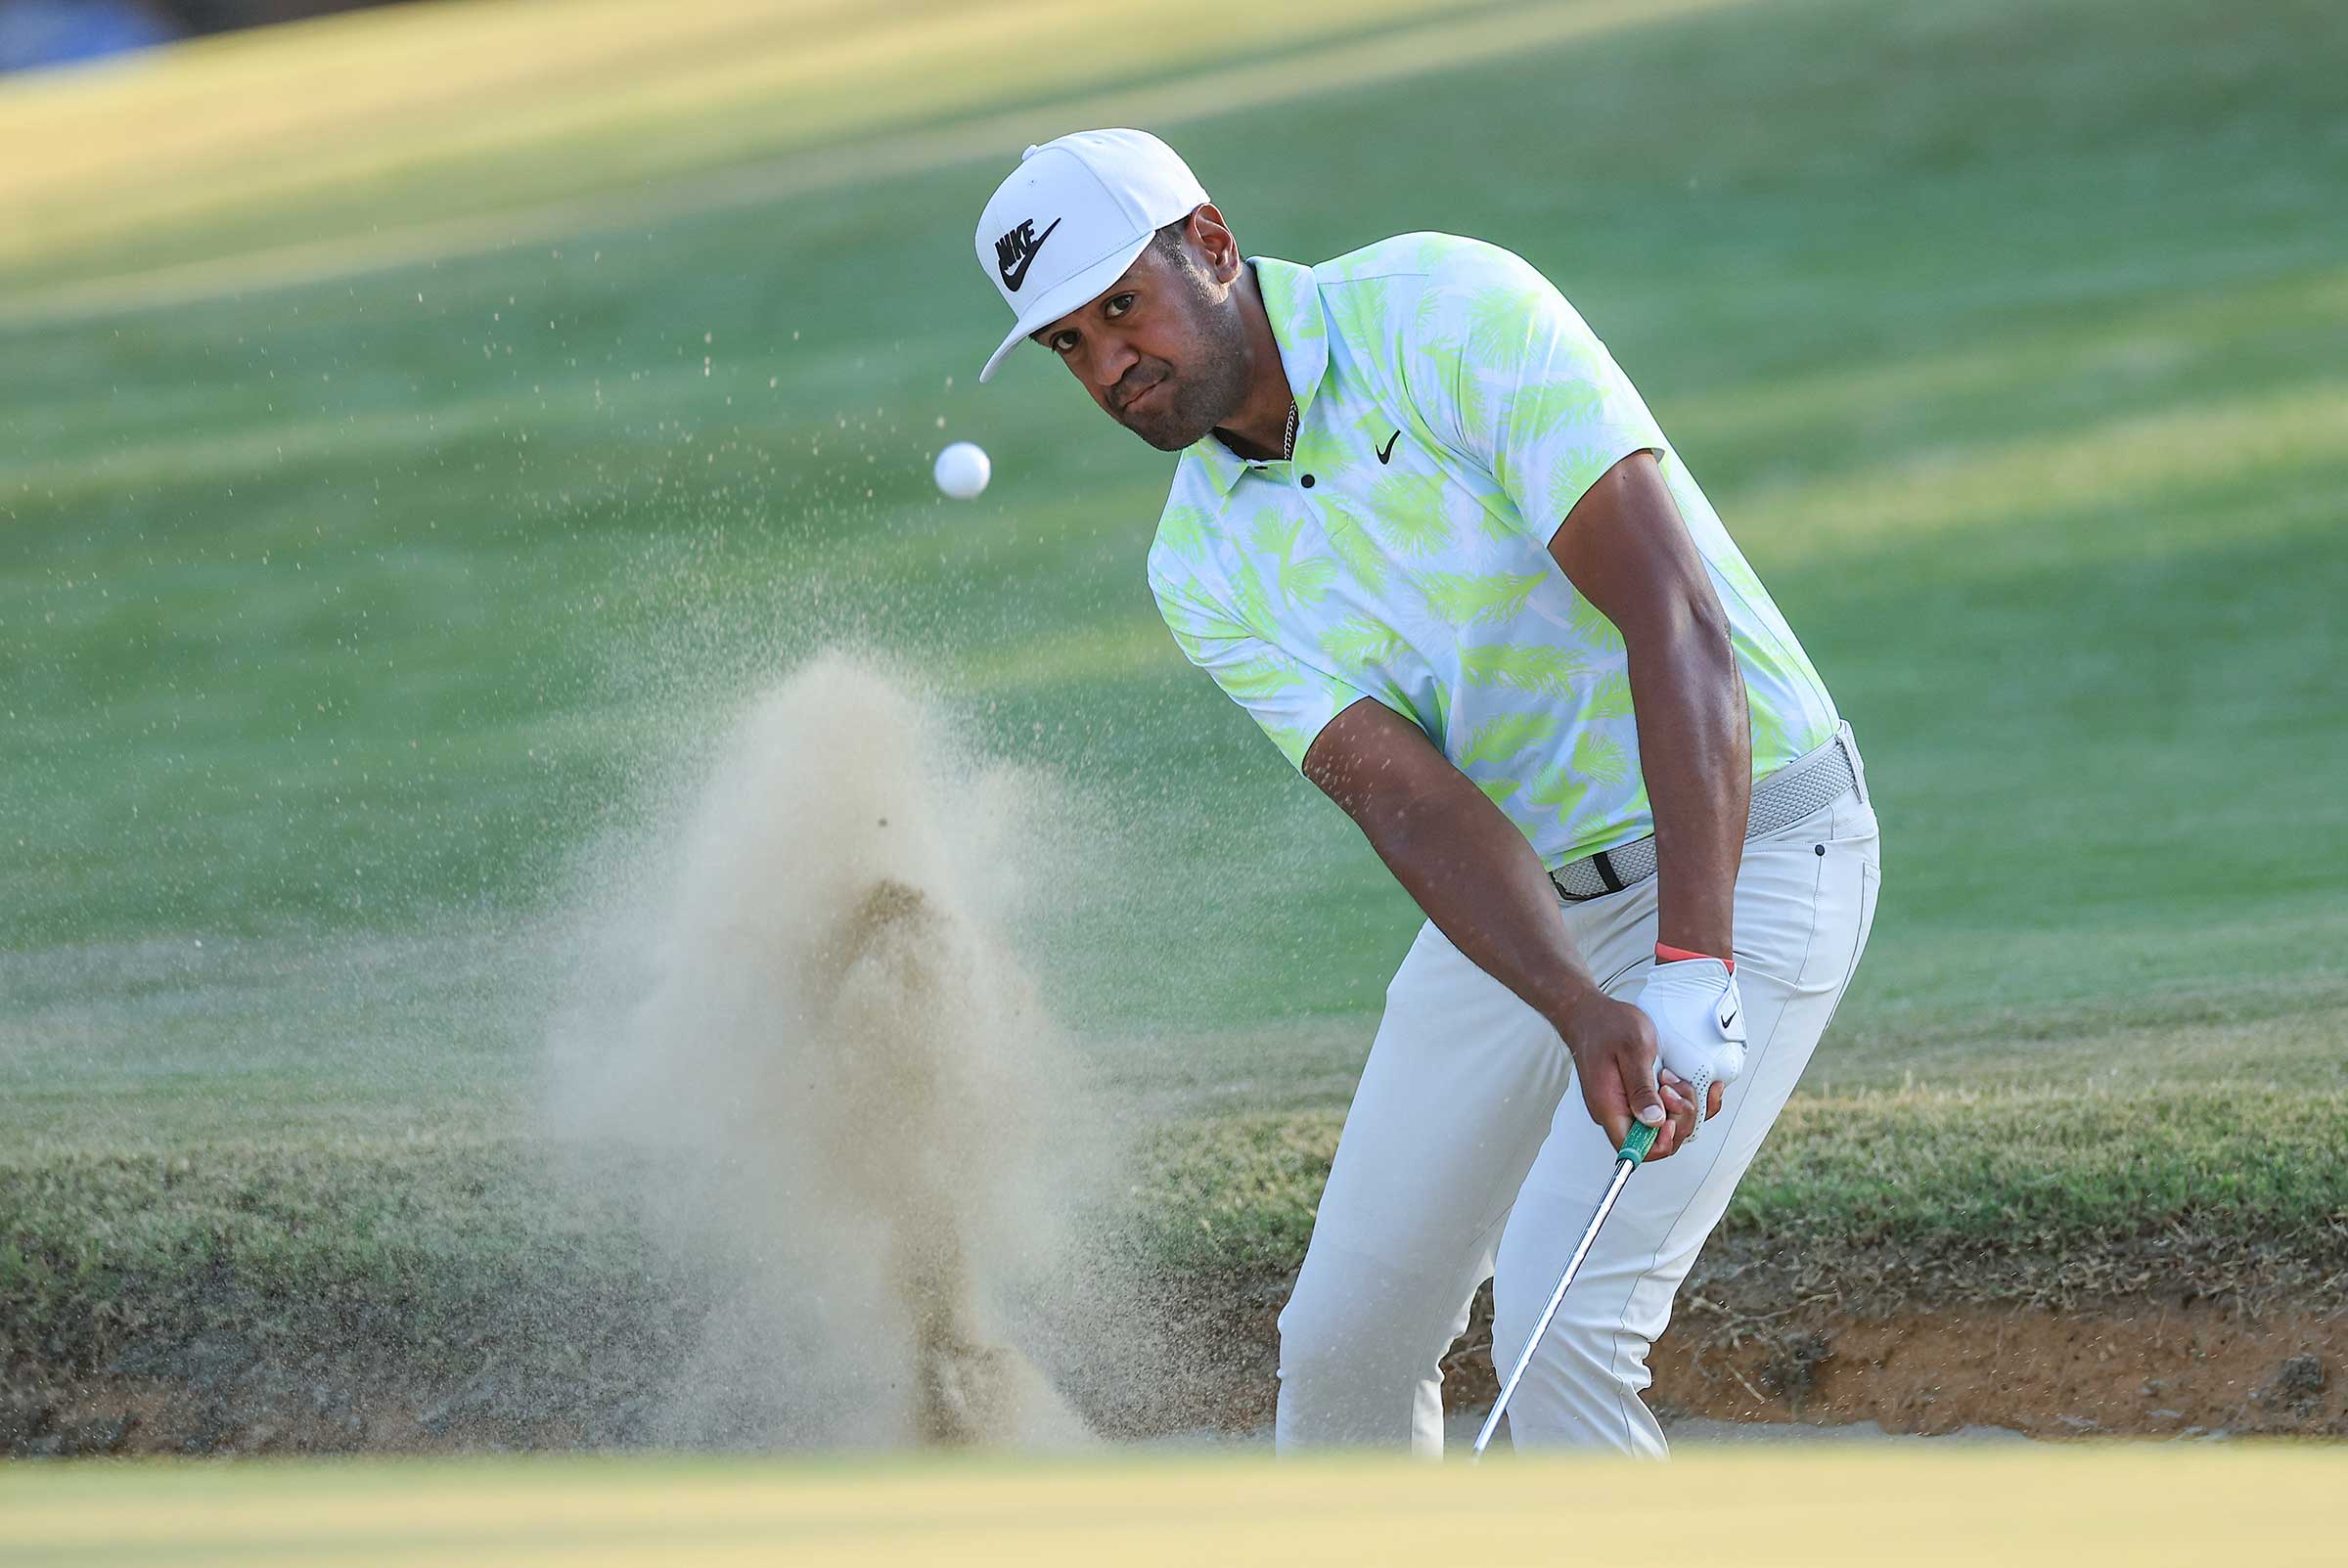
1699	1015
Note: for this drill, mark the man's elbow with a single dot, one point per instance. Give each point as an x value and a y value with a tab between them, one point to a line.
1708	619
1686	623
1382	770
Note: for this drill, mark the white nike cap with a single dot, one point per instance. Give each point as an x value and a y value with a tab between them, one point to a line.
1070	219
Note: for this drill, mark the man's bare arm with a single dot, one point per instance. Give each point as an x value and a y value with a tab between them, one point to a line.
1478	880
1627	551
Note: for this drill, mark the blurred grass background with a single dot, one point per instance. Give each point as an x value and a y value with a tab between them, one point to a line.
425	425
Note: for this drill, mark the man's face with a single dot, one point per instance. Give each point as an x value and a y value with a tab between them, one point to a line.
1163	351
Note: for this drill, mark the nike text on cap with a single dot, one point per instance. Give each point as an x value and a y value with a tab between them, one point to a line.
1070	219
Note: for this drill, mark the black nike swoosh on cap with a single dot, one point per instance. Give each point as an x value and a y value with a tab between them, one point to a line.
1015	275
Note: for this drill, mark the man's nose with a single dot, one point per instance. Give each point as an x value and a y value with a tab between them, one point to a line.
1110	361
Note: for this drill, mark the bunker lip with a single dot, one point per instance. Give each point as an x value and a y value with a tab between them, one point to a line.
493	1304
2136	1367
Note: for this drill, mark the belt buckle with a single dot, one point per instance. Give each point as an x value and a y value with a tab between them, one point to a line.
1556	880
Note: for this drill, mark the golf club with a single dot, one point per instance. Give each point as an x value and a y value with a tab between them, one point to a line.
1635	1145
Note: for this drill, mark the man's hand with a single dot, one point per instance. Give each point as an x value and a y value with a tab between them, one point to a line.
1698	1019
1616	1063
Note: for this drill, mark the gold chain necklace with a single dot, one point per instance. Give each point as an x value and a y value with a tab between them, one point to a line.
1288	442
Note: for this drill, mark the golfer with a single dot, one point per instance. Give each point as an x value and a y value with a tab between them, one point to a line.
1426	532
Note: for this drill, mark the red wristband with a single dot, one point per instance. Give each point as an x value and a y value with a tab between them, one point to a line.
1667	953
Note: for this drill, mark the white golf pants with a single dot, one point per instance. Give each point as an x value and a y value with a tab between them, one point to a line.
1468	1155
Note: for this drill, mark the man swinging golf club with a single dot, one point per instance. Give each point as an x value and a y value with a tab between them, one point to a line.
1426	532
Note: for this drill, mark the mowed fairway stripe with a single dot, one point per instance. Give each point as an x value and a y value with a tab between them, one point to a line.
377	94
2138	461
1340	67
2014	1507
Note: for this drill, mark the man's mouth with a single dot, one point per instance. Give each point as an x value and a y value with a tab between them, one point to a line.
1132	398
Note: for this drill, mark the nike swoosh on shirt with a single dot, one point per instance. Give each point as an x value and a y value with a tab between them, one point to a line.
1389	451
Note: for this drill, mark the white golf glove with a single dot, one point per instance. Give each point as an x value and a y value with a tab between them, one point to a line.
1700	1024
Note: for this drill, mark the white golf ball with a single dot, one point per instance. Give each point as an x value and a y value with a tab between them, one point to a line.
963	469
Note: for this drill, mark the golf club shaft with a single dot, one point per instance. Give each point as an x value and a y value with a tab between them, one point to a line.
1626	1161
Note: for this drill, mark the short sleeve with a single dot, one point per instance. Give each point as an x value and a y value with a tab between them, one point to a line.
1506	366
1291	700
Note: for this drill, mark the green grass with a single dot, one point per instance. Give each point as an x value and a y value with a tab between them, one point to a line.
424	1252
2035	1192
343	610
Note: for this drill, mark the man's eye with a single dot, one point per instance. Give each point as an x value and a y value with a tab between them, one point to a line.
1061	342
1118	306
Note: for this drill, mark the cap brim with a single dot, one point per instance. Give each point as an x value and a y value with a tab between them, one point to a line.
1078	288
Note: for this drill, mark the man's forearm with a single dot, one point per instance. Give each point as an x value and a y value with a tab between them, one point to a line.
1479	881
1695	751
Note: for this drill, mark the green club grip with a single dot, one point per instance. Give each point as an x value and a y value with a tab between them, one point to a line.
1634	1147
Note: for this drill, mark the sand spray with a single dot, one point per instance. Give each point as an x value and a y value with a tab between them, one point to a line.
833	1088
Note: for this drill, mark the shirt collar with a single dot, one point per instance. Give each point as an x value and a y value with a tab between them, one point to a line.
1292	302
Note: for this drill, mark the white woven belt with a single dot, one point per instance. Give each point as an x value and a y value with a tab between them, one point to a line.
1804	786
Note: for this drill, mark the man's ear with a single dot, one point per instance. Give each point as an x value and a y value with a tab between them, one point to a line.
1215	242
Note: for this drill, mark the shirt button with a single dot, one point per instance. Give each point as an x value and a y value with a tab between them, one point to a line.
1308	481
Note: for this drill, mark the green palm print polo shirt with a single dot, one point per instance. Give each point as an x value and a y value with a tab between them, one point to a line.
1452	408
